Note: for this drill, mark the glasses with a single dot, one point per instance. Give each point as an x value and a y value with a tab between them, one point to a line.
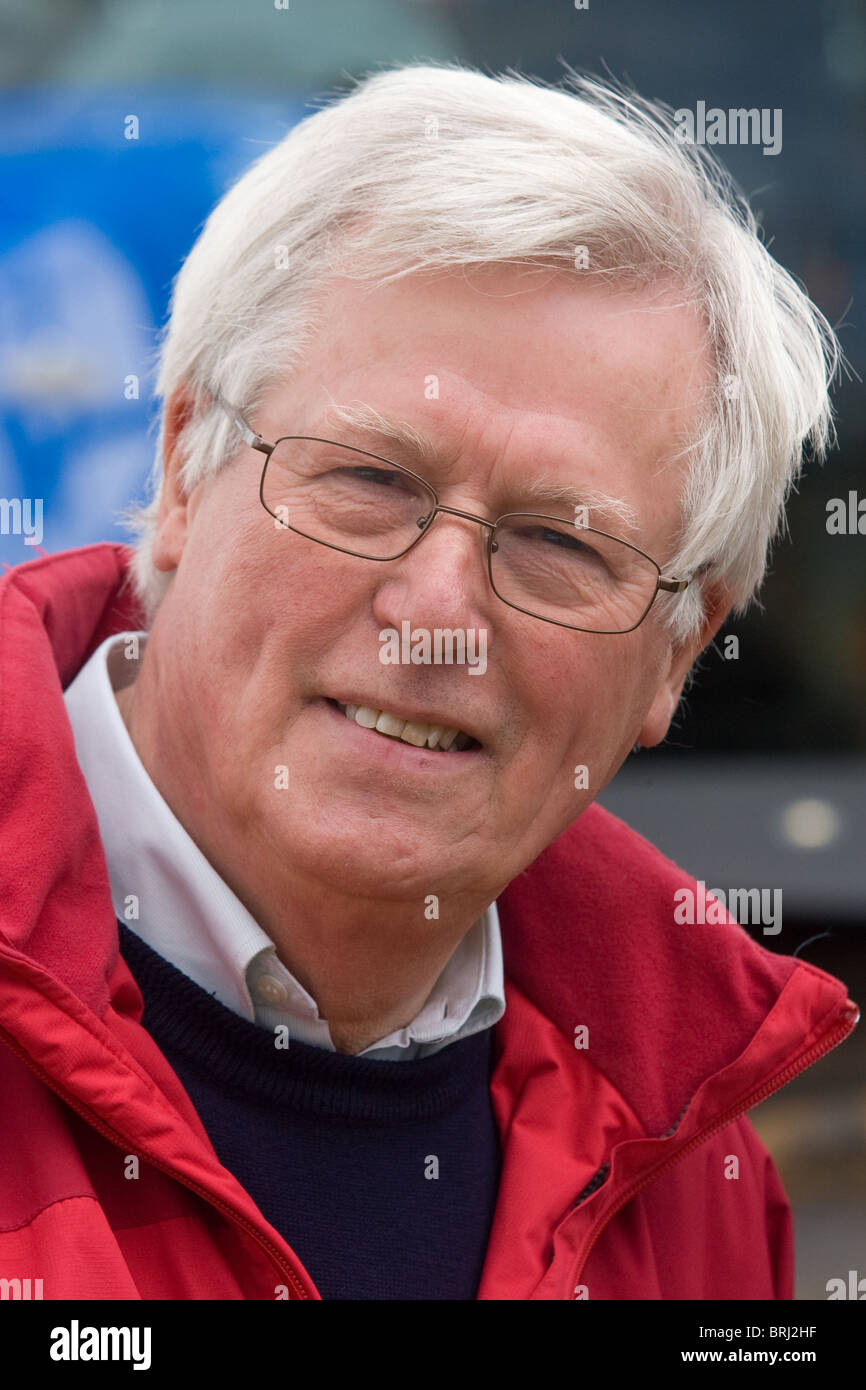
364	505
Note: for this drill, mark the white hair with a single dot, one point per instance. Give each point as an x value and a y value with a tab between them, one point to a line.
432	167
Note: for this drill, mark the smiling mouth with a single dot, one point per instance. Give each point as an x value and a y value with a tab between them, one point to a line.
435	737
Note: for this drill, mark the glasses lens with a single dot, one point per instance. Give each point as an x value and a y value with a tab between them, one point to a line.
570	574
344	497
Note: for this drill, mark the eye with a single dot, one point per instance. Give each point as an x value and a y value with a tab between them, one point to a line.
375	477
566	540
549	537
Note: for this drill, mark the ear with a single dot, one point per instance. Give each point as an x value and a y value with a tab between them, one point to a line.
718	603
172	516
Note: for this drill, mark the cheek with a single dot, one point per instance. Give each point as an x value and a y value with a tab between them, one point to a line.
263	612
577	696
641	685
613	692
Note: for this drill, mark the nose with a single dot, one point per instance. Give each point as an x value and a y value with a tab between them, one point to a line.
442	580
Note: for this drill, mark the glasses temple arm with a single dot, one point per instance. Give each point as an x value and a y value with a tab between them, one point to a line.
247	434
676	586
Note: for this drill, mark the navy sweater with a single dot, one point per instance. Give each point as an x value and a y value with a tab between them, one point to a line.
381	1176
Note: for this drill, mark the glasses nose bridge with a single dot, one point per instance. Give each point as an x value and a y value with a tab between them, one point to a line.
458	511
467	516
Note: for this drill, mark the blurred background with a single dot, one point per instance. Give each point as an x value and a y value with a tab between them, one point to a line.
761	783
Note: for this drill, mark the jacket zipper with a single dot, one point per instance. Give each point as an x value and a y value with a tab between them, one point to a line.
119	1142
831	1039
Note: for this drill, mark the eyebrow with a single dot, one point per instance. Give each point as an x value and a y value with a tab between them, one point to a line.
408	442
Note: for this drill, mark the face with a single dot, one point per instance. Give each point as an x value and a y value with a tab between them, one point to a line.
262	630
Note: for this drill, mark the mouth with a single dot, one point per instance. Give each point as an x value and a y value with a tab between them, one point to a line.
433	737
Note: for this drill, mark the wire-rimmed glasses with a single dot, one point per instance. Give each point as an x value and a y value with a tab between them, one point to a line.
364	505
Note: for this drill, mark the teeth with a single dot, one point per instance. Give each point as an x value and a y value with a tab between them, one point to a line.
418	735
390	724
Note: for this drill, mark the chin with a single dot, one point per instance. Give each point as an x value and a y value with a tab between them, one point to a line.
345	850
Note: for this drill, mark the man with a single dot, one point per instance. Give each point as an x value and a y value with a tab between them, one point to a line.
321	974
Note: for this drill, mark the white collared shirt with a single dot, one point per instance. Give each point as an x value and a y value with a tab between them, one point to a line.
164	889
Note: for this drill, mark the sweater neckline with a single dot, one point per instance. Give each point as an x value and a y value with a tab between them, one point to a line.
189	1023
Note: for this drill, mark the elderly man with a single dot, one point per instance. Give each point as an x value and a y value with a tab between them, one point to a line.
321	975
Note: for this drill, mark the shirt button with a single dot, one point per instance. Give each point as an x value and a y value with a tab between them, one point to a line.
271	990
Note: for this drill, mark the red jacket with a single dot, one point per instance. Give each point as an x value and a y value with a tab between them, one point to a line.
617	1175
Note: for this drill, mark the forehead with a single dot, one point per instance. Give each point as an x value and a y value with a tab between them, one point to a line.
649	337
